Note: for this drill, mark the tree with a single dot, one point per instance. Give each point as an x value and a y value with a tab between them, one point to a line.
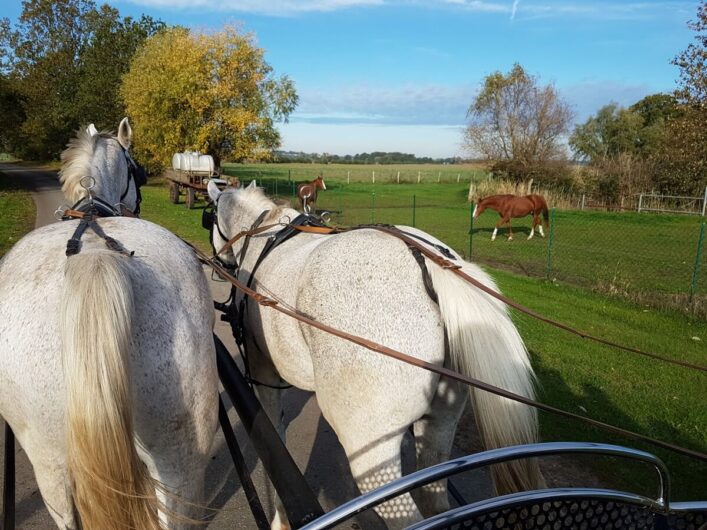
693	62
514	119
63	61
214	93
683	154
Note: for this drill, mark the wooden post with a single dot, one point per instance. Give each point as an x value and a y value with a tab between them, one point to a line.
704	203
458	177
582	208
418	177
348	177
399	178
640	202
374	176
439	176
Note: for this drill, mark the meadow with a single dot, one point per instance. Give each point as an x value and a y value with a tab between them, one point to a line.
666	402
648	258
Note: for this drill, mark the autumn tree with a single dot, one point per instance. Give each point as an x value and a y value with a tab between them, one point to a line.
210	92
517	121
683	154
61	64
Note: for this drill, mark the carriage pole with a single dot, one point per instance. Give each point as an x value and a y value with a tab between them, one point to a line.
8	490
300	502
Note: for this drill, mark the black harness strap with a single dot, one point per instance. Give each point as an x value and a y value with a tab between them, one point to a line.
73	245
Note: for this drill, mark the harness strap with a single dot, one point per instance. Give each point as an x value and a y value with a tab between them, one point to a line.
440	370
88	220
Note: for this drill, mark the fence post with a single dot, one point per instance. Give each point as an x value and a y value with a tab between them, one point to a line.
348	177
413	211
293	189
582	208
373	173
640	202
698	259
276	179
289	175
704	203
373	207
550	242
471	226
398	177
418	177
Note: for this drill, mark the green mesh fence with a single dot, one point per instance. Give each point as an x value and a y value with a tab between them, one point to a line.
649	258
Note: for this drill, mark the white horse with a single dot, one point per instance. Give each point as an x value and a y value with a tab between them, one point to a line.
369	284
107	364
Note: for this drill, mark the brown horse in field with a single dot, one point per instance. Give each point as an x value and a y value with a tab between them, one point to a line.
509	206
307	193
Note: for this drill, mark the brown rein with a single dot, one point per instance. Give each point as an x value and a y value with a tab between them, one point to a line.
456	269
389	352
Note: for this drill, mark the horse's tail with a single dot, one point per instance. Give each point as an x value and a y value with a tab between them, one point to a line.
484	344
111	486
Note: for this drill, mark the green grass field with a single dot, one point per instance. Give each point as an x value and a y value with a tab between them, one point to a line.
17	213
644	257
633	392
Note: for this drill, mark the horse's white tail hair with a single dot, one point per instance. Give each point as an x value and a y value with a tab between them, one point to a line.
111	487
484	344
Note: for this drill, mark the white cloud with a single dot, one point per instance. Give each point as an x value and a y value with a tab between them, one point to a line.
399	105
541	8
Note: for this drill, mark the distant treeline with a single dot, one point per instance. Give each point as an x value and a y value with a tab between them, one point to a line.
377	157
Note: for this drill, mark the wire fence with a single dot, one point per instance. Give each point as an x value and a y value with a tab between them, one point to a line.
653	259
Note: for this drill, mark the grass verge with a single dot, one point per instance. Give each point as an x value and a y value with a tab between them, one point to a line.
17	212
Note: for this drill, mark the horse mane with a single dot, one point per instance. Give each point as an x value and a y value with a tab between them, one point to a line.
76	161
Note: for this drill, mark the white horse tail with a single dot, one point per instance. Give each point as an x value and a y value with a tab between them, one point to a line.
111	486
484	344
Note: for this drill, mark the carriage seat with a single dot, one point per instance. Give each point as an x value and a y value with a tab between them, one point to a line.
548	509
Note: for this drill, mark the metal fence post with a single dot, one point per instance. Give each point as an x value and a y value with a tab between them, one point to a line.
704	203
293	189
276	179
698	259
471	225
550	242
413	211
373	207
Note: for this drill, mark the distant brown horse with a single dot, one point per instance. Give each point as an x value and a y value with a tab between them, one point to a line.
509	206
307	193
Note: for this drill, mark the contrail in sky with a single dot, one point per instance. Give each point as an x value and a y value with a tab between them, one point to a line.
514	9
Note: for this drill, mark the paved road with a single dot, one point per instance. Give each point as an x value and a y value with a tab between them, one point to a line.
309	438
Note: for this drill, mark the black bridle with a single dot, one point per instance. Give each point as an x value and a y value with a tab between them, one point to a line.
209	221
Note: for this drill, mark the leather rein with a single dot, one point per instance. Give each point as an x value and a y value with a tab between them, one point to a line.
270	302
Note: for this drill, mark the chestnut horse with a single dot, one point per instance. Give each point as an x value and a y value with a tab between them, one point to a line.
509	206
307	193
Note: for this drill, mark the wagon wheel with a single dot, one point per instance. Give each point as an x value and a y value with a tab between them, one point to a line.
191	197
173	192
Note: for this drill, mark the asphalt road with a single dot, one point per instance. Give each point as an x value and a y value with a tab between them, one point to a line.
310	439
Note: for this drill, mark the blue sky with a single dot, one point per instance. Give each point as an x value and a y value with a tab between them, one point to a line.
398	75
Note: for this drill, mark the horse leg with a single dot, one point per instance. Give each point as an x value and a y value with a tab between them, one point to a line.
54	486
434	435
374	458
503	220
532	228
510	230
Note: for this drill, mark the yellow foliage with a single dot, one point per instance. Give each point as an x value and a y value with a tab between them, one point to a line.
208	92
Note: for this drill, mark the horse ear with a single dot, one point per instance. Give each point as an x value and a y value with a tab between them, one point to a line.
213	190
91	129
252	185
125	133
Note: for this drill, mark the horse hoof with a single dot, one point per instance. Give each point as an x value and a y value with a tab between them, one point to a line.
510	239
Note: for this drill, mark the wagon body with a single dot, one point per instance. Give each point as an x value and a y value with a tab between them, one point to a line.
192	183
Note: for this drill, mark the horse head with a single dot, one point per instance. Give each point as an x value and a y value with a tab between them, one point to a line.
101	162
235	210
319	183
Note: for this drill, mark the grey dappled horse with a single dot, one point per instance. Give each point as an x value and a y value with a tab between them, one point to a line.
368	283
107	367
